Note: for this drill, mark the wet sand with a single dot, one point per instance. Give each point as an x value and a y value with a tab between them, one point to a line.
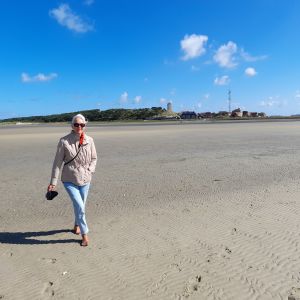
197	211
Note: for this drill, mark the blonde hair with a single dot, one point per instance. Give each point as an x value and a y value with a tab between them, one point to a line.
80	116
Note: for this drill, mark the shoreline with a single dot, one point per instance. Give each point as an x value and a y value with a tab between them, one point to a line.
152	122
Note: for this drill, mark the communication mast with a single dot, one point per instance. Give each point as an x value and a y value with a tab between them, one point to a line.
229	101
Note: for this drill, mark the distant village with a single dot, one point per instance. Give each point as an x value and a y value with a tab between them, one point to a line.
236	113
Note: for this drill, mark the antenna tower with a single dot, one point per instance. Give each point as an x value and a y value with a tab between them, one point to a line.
229	101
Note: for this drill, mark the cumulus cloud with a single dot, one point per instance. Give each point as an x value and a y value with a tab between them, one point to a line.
224	80
66	17
193	46
137	99
40	77
249	58
124	97
250	72
224	56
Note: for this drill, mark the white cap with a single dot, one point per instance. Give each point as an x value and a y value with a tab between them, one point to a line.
80	116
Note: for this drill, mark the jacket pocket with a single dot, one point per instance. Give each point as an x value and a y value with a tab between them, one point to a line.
87	175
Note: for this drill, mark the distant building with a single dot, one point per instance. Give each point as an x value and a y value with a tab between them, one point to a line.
262	115
237	113
188	115
206	115
223	113
246	114
254	114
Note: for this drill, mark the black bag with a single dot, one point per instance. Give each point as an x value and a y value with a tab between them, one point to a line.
51	195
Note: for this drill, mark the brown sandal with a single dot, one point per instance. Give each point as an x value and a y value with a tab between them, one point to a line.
84	243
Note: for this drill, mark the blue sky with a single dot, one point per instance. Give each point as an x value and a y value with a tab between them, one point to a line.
62	56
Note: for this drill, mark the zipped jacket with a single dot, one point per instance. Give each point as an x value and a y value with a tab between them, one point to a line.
79	171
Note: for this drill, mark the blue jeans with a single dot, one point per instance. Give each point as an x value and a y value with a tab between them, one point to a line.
78	195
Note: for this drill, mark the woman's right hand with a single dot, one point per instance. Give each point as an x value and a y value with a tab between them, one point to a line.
51	187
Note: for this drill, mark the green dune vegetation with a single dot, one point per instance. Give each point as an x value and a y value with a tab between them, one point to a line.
95	115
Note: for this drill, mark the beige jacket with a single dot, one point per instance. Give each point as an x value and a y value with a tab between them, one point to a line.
80	170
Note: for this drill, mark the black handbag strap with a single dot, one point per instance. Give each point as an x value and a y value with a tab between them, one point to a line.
74	156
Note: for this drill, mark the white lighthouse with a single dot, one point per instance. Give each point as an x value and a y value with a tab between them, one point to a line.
169	107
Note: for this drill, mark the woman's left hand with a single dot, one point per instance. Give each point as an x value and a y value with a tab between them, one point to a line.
51	187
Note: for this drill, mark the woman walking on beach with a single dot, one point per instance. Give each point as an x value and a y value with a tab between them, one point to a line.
76	152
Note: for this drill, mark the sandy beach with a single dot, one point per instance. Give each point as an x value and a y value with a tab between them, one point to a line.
186	211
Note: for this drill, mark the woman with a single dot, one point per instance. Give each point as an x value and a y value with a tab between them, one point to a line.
78	154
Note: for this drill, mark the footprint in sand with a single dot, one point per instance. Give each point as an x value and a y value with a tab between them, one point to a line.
49	260
48	289
294	294
192	286
234	231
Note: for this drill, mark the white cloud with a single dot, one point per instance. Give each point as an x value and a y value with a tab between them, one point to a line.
88	2
162	101
273	101
297	95
224	80
206	96
250	72
40	77
124	97
137	99
225	55
194	68
249	58
66	17
199	104
25	77
269	103
193	46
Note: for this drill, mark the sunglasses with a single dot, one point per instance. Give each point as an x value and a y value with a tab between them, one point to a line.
79	124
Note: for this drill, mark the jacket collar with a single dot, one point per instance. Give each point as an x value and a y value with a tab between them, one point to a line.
75	136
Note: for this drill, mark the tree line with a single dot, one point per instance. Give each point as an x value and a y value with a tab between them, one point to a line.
95	115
